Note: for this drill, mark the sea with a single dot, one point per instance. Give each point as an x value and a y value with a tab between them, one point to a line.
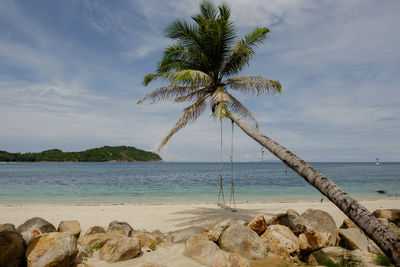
172	182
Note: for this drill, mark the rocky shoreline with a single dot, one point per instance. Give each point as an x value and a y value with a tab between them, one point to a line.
291	239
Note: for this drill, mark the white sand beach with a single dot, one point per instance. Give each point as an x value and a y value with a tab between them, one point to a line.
167	217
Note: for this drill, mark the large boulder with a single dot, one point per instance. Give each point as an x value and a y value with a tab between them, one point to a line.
291	219
120	248
7	227
95	230
72	227
235	260
146	239
180	236
280	240
321	221
52	249
204	251
310	241
334	256
243	240
35	227
95	240
120	228
258	224
393	215
353	239
213	233
12	248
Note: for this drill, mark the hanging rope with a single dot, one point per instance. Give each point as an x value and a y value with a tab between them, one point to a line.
221	184
232	197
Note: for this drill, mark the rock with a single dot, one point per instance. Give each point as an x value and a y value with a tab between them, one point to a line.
95	240
271	260
243	240
34	227
224	224
393	215
291	219
120	228
335	256
347	223
352	239
72	227
120	248
7	227
95	230
158	235
52	249
312	240
180	236
213	234
12	248
206	252
146	239
381	191
394	228
321	221
258	224
280	240
235	260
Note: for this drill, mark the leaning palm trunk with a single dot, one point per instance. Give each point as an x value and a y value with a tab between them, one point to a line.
386	239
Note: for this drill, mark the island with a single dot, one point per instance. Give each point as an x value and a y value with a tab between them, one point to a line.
102	154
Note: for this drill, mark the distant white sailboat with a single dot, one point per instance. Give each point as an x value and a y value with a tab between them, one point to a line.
377	161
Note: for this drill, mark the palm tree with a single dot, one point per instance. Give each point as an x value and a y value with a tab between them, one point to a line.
200	67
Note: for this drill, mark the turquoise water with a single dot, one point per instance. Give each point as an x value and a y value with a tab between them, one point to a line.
107	183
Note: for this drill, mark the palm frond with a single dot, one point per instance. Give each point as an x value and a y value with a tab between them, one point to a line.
167	92
254	85
185	33
182	77
244	51
237	107
190	114
208	10
178	57
193	95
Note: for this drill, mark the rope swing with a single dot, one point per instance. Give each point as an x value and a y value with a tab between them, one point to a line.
221	183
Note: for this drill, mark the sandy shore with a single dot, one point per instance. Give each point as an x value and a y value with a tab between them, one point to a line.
168	217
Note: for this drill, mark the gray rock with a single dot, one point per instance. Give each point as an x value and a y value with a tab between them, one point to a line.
243	240
120	249
12	248
95	240
335	256
279	239
52	249
321	221
180	236
258	224
120	228
72	227
95	230
291	219
353	239
206	252
7	227
35	227
393	215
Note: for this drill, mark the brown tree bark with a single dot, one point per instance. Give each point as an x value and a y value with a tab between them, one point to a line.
385	238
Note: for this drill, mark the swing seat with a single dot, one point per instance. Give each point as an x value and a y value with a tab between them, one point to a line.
225	207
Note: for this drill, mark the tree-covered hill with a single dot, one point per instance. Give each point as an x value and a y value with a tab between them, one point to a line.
106	153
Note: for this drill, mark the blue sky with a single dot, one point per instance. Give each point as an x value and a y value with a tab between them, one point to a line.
71	73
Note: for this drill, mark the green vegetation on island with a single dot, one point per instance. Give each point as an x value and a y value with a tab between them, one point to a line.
106	153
